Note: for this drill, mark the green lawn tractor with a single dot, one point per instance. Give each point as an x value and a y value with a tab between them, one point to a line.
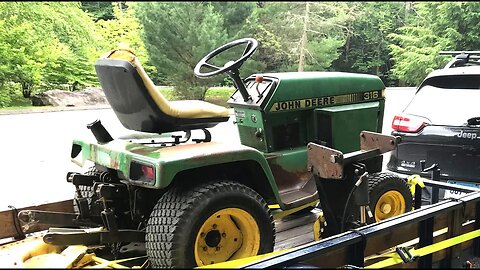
197	201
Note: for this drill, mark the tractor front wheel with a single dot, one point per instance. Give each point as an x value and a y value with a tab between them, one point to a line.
209	223
389	195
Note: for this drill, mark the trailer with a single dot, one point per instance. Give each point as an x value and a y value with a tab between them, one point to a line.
441	235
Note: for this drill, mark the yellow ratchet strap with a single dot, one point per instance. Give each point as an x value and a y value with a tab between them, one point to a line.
403	255
415	180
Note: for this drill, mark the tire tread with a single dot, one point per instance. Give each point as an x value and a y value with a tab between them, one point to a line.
164	242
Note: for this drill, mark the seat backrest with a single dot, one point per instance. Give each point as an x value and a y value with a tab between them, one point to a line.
133	104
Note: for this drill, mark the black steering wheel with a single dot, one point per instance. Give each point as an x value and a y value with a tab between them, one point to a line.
231	67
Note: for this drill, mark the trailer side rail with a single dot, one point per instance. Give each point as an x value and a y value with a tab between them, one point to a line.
350	248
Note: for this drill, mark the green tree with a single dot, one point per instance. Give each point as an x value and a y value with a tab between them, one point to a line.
297	35
177	36
56	46
234	15
366	48
99	10
432	27
271	54
24	53
21	59
124	27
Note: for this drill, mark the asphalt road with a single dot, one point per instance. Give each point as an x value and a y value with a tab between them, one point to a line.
36	148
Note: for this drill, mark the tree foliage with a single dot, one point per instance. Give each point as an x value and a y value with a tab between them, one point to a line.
177	36
48	43
432	27
366	47
45	45
99	10
281	34
123	28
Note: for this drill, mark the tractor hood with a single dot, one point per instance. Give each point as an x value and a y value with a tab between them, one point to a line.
290	109
275	92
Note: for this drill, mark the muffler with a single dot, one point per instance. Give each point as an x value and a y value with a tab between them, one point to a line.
99	131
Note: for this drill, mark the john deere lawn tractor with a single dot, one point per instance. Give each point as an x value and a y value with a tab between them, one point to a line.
197	201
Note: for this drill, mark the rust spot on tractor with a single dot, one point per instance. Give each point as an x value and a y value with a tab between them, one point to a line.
289	180
114	162
93	152
149	151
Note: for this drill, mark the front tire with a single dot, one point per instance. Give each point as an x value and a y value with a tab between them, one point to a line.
209	223
389	196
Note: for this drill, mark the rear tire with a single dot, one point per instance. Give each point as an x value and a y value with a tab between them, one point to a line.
209	223
389	196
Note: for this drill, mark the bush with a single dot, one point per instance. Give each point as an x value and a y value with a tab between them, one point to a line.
11	95
5	98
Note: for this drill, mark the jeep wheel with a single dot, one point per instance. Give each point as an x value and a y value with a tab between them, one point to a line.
206	224
389	195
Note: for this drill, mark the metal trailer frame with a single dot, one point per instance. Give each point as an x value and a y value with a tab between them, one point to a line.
350	248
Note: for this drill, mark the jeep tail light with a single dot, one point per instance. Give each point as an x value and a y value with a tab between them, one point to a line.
408	123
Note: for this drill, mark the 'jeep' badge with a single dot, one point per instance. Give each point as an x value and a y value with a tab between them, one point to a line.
466	135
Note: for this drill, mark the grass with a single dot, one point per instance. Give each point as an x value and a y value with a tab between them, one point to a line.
215	95
219	95
16	107
20	106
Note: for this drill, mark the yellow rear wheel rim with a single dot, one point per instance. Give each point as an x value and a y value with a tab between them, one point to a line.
228	234
390	204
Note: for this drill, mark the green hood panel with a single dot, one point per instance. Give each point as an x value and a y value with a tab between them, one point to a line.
319	89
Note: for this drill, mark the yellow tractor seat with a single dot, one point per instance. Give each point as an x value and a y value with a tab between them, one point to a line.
140	106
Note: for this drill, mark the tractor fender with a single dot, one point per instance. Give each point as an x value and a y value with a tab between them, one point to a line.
184	162
216	159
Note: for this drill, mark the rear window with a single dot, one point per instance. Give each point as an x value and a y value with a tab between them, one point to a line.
455	81
450	100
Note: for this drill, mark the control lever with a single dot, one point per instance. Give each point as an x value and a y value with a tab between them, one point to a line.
361	196
258	80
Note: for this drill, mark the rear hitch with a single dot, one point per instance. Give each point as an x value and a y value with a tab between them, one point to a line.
30	217
92	236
